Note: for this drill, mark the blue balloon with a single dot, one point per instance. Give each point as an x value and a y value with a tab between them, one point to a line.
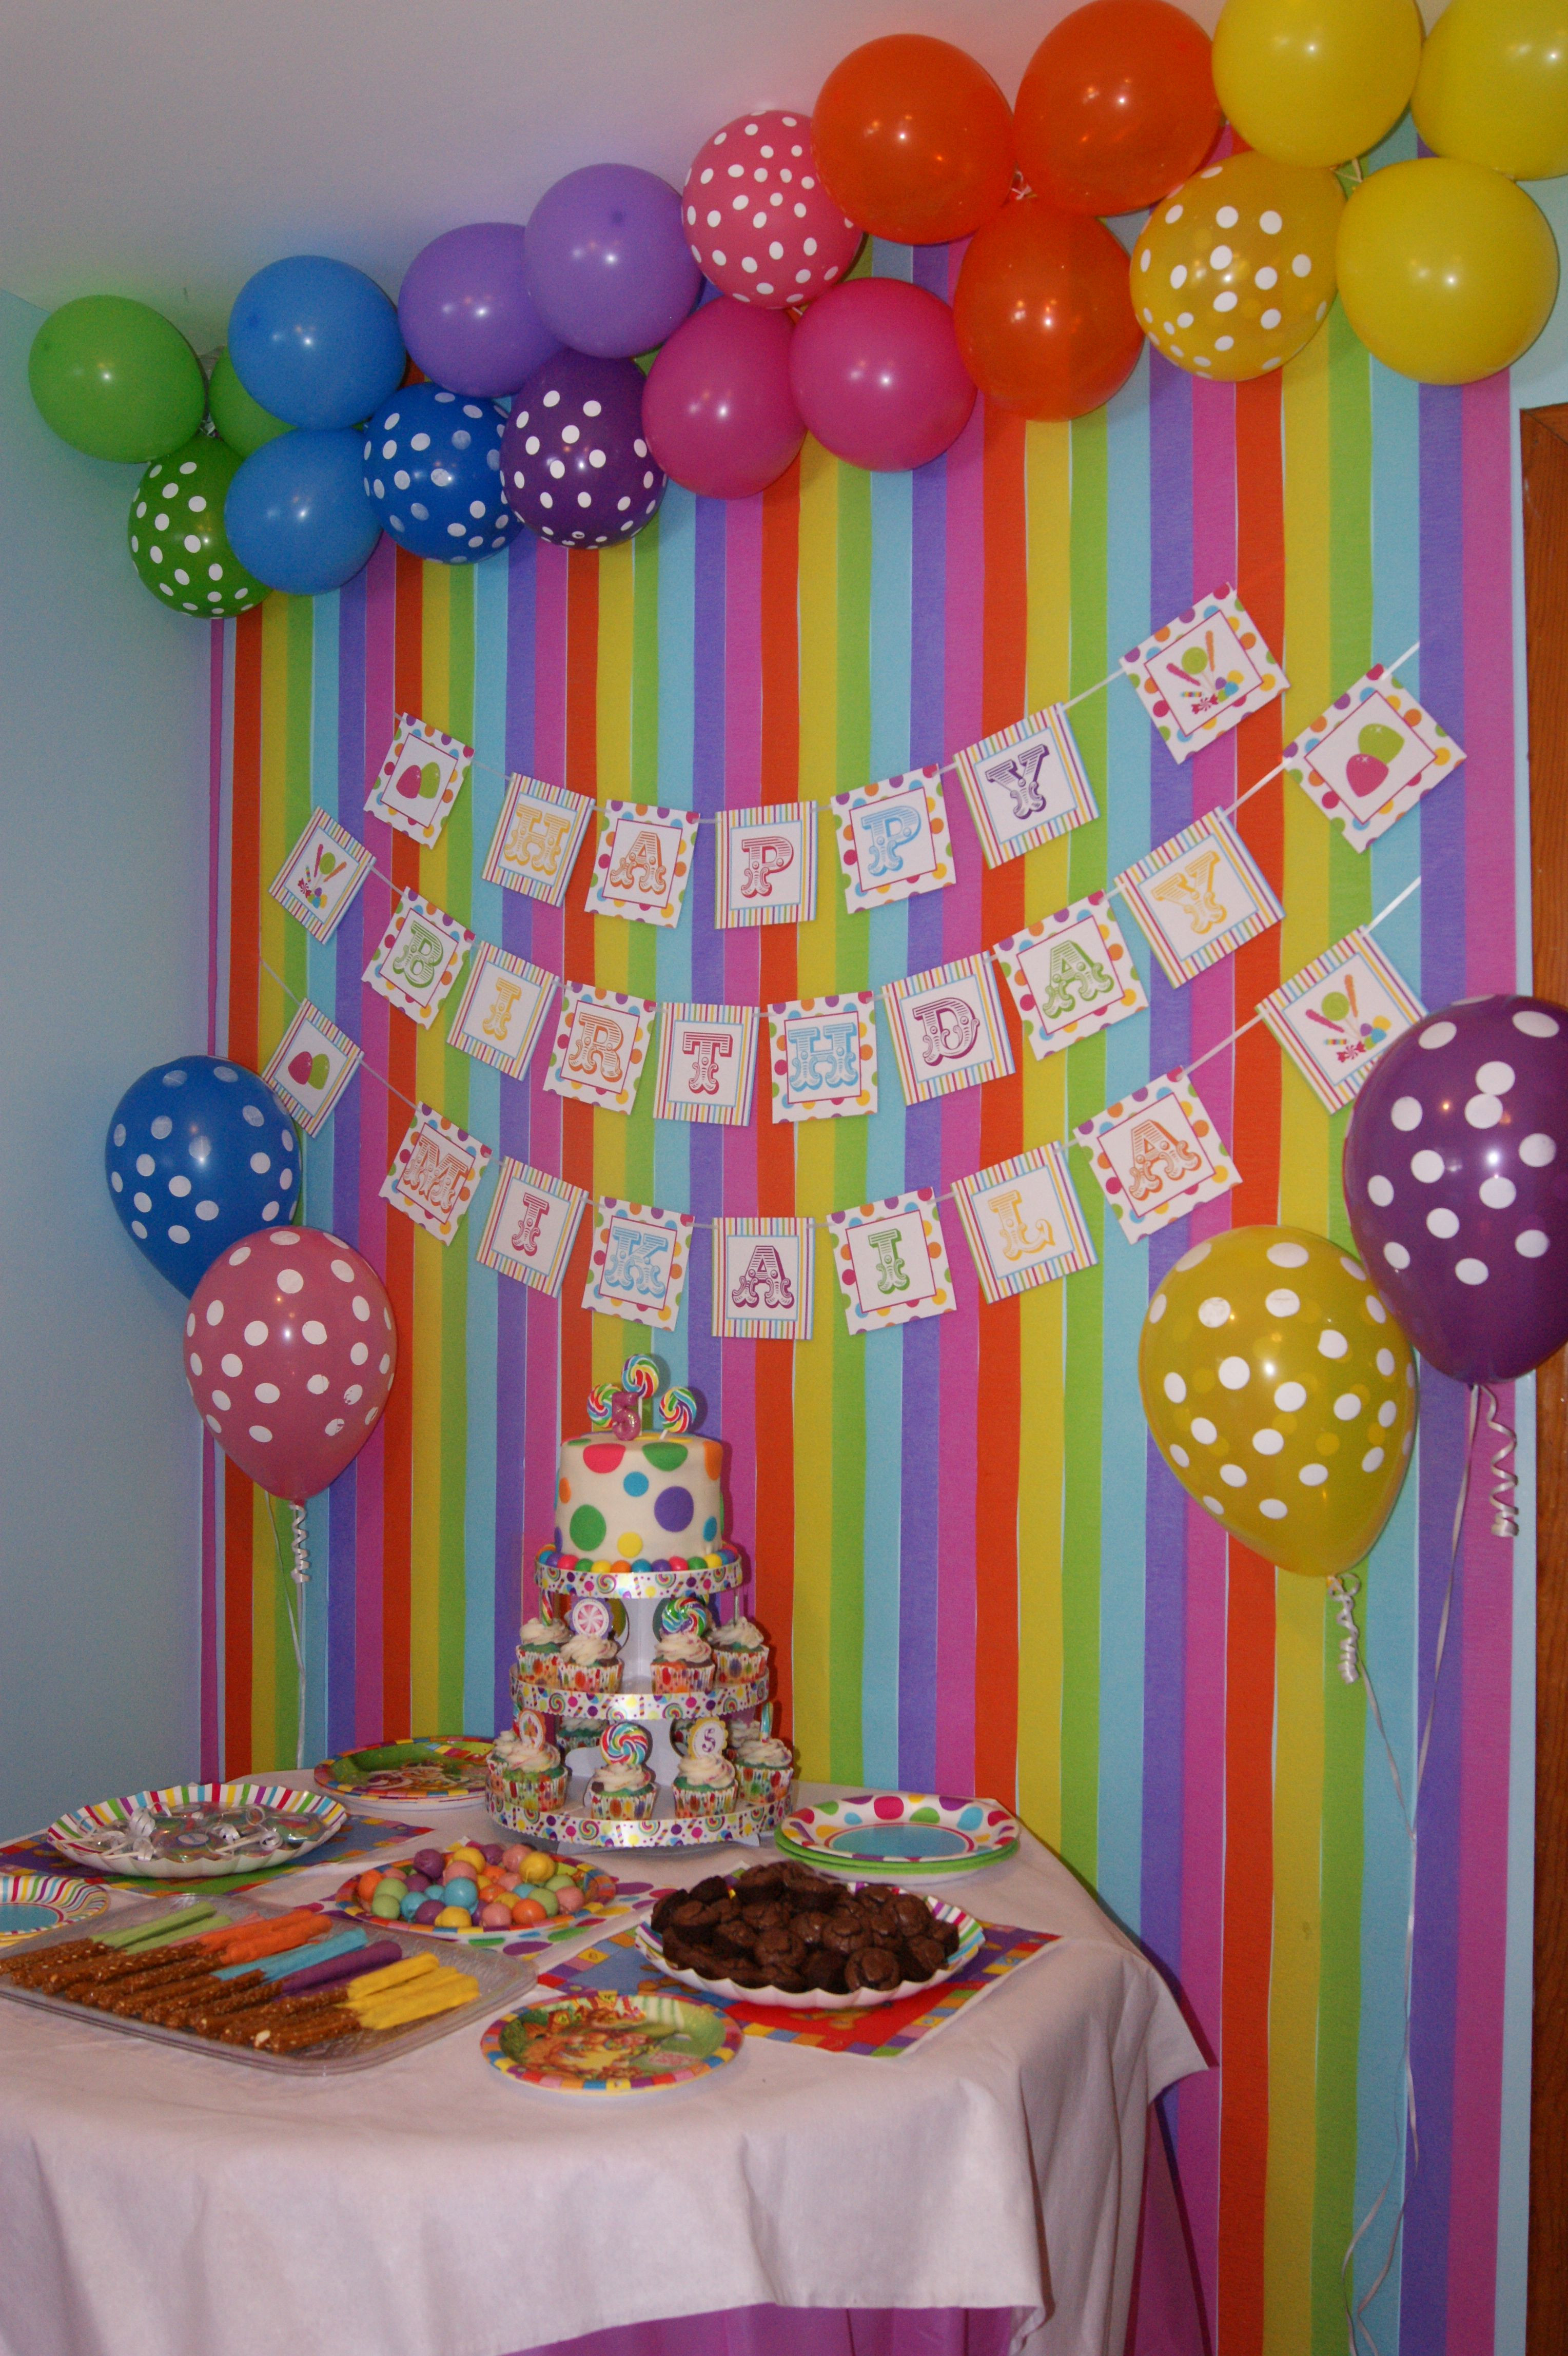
315	342
199	1152
433	469
298	514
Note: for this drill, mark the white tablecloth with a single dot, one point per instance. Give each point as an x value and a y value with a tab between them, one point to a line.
155	2203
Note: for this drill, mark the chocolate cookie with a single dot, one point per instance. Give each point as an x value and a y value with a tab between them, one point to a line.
871	1967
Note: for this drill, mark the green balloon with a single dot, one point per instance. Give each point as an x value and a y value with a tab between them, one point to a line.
178	544
114	378
242	423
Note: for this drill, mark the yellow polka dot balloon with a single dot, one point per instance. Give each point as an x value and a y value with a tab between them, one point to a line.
1235	272
1281	1394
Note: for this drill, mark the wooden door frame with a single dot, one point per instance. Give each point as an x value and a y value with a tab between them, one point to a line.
1544	439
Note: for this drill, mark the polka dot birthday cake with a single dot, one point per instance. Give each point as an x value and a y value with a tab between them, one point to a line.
639	1499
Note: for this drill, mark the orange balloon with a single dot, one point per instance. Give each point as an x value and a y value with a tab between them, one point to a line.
1116	107
1043	317
913	140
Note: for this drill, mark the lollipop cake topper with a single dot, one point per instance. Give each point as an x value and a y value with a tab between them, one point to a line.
626	1409
706	1737
626	1739
590	1616
681	1616
533	1727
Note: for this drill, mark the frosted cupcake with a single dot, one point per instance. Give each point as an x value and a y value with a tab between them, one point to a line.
766	1767
589	1665
682	1663
740	1649
704	1786
539	1649
528	1776
622	1789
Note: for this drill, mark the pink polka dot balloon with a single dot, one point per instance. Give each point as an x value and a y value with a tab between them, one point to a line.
290	1350
759	222
1456	1185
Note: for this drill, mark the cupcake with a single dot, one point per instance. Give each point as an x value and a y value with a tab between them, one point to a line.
740	1649
766	1767
589	1665
621	1788
527	1776
704	1786
539	1646
682	1663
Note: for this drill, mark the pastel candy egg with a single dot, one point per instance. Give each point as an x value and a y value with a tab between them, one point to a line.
461	1892
569	1899
550	1900
387	1904
412	1905
431	1863
427	1910
495	1916
454	1918
515	1857
526	1912
538	1868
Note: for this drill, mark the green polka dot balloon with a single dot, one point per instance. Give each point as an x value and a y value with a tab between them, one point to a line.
1281	1394
178	544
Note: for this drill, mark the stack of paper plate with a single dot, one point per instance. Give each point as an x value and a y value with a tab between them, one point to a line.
899	1836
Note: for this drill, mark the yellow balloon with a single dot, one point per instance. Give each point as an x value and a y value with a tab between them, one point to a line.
1447	271
1316	81
1235	272
1281	1394
1493	86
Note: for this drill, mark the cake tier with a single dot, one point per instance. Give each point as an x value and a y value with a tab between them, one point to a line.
601	1709
642	1500
711	1573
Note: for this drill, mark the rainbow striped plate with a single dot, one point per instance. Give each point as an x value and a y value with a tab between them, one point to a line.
31	1902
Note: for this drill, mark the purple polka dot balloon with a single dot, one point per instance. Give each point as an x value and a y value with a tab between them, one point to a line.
1456	1185
574	460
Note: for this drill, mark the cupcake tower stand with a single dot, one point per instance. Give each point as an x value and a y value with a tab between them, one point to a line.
638	1604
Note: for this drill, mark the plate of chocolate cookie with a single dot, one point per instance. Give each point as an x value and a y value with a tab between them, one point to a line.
785	1934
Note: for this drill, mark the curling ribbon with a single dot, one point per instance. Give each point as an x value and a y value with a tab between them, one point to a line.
1505	1480
1344	1591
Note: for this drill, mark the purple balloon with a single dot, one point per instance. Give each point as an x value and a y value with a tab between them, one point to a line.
574	464
465	315
609	266
1456	1185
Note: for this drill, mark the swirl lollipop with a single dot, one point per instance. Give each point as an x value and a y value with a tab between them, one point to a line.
677	1411
625	1739
642	1375
590	1616
601	1400
681	1616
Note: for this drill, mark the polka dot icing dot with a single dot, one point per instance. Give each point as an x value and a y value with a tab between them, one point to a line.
1406	1113
1471	1271
1235	1374
1427	1166
1534	1023
1538	1150
1531	1243
1437	1034
1282	1304
1214	1312
1175	1389
1287	1255
1289	1398
1202	1429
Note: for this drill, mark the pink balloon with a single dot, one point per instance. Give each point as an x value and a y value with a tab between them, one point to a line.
290	1350
877	375
758	220
717	410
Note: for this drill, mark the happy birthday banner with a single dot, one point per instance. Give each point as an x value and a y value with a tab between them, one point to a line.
1156	1154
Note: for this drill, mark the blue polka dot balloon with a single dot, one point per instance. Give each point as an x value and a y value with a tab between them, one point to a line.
433	472
199	1152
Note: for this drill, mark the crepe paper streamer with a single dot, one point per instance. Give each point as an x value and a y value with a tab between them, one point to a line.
344	1967
601	1400
642	1375
677	1411
188	1918
623	1739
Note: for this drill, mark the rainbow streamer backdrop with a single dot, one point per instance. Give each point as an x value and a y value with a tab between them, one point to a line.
977	1574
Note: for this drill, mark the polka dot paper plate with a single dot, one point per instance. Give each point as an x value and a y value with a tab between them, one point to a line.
899	1836
427	1772
30	1902
604	2043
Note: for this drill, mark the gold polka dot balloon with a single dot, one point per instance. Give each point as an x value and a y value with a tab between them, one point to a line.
1281	1394
1235	272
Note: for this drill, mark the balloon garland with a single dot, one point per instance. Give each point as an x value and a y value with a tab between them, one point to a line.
741	281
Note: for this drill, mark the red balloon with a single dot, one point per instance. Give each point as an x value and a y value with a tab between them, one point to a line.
290	1350
717	409
877	375
913	140
1116	107
1045	320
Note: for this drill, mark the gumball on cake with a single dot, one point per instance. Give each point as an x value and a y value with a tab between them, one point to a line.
631	1668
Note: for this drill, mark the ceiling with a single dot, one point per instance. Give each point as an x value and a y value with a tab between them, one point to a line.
166	148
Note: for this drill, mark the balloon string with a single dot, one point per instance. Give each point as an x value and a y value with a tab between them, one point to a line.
1344	1591
1505	1480
1355	2309
298	1576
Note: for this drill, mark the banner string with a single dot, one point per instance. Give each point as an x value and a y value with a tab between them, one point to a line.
948	1195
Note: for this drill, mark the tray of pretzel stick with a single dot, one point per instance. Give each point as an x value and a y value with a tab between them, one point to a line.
281	1988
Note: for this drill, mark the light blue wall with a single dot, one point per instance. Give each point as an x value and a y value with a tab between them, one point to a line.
104	882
